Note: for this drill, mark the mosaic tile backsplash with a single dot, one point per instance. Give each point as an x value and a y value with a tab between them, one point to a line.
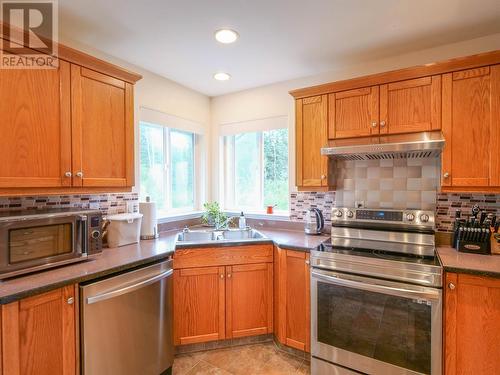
397	184
112	203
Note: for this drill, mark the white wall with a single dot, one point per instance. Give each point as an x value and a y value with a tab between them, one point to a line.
161	94
274	100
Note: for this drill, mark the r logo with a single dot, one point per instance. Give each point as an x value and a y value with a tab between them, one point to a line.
30	33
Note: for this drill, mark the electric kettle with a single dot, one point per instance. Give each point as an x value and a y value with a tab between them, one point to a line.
314	221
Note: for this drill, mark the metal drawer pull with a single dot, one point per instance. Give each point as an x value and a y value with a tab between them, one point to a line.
68	174
70	300
377	288
451	286
128	289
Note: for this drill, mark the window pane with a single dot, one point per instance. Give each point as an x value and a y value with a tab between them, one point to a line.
182	169
247	170
276	168
153	164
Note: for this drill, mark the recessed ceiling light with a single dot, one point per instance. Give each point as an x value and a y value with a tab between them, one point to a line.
221	76
226	36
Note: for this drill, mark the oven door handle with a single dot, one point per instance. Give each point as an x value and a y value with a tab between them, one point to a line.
426	294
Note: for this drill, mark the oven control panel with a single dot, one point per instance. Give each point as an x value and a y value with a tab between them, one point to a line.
345	215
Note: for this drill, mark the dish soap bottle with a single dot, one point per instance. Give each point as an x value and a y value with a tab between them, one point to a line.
242	224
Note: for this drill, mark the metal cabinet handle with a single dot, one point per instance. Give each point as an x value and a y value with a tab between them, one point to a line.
79	174
451	286
221	275
228	275
323	176
70	300
374	124
307	262
68	174
382	124
446	175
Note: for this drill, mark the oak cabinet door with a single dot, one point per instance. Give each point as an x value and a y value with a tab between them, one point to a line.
471	127
35	141
249	300
292	304
311	134
472	325
410	106
199	309
39	334
354	113
103	129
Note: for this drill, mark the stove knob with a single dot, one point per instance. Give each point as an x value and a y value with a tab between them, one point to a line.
350	214
410	217
95	234
424	218
338	213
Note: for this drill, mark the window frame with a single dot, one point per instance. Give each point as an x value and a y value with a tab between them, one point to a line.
167	168
228	189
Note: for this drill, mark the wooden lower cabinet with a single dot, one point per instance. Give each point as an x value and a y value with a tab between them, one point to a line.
199	305
39	334
222	293
249	300
471	325
292	298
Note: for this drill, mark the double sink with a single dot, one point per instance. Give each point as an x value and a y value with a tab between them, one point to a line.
228	236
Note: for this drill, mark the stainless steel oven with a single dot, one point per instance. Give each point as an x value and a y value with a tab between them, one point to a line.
376	326
376	297
37	239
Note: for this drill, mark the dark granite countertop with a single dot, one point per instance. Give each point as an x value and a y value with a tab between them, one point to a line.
294	239
109	262
477	264
127	257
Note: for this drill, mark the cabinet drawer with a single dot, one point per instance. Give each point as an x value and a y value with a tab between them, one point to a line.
223	256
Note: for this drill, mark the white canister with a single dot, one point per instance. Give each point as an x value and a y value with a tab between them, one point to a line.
124	229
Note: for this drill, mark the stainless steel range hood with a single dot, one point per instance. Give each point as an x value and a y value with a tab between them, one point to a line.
397	146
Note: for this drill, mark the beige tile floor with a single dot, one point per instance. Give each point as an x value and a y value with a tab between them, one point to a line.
256	359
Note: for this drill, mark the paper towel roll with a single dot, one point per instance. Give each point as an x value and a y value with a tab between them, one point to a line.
149	227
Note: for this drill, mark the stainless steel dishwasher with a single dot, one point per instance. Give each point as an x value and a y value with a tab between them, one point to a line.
126	323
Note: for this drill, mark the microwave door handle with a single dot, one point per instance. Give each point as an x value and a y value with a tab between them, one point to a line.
428	295
84	233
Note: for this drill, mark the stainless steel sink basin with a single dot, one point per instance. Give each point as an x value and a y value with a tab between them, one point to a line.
198	237
195	236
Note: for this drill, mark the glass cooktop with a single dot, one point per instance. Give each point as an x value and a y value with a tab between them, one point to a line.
378	254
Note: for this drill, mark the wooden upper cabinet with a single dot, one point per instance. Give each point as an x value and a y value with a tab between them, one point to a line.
410	106
249	300
353	113
199	305
471	127
471	325
311	134
103	129
35	145
39	334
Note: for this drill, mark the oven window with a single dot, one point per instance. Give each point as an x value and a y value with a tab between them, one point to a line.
27	244
391	329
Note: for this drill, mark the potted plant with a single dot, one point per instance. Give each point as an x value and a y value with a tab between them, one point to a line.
212	214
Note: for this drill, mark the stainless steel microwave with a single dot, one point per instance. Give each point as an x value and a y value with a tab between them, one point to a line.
33	240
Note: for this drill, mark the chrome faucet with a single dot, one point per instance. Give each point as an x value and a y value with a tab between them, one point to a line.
222	225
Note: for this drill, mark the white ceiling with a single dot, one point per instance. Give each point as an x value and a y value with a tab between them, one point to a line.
280	39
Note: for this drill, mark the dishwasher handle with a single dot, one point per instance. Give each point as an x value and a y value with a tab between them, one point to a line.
128	289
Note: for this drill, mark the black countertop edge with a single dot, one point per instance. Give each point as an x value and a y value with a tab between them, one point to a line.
181	246
243	243
471	271
294	247
106	272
